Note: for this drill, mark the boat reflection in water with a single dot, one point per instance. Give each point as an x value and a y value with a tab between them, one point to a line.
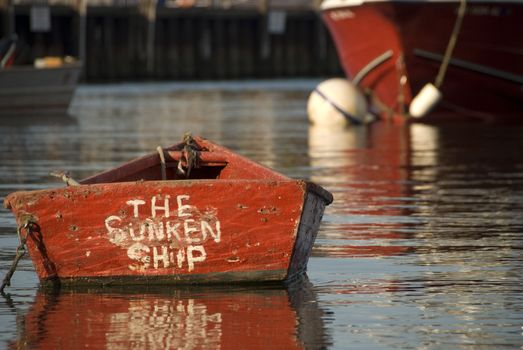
214	317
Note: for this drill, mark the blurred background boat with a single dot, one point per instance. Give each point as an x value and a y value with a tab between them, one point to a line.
432	59
33	80
47	86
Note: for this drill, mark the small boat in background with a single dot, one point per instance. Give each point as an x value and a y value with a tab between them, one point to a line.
47	86
191	213
431	60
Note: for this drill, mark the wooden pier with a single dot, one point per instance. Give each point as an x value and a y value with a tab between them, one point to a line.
176	39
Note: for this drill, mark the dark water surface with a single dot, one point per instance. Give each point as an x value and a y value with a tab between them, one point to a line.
422	248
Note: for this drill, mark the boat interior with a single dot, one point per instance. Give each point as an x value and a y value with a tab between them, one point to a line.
153	168
208	162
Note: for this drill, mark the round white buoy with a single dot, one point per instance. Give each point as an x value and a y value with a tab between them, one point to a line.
337	102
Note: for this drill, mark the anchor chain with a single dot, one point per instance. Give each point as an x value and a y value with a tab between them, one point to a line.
20	252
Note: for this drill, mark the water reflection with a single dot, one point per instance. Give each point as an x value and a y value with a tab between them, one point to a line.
393	184
428	220
159	318
366	170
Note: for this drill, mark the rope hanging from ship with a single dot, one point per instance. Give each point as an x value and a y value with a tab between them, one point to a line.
430	95
451	44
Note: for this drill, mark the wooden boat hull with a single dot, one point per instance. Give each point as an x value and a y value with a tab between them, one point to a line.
195	231
28	89
485	73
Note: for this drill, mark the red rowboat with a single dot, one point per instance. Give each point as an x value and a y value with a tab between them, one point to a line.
191	213
470	50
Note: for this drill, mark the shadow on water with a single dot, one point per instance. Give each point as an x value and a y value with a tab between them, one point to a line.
168	318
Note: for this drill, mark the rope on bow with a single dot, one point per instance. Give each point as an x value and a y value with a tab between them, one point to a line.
162	162
20	252
65	177
190	156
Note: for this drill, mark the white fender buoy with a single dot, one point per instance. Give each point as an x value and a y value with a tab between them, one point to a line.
337	102
428	97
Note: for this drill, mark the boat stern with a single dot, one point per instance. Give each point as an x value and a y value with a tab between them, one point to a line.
315	200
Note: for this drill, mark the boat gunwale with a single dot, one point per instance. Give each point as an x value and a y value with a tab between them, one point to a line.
208	150
305	185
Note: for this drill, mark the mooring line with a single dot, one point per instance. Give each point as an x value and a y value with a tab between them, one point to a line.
20	252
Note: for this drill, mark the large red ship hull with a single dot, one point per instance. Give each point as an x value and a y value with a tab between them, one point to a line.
484	77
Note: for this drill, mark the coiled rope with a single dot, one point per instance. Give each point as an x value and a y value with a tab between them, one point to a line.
190	156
